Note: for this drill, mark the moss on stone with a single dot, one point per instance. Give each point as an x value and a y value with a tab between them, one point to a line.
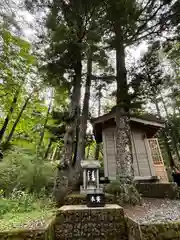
159	190
124	193
160	231
45	232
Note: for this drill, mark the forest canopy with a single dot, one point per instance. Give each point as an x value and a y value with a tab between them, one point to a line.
74	60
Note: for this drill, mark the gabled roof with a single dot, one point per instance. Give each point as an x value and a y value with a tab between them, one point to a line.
147	120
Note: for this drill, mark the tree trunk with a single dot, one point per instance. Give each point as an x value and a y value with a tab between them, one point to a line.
99	113
74	115
8	139
85	112
48	148
124	160
8	117
44	126
54	153
88	150
64	173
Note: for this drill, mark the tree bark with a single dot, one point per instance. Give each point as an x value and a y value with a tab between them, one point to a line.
65	174
44	125
71	135
48	148
97	150
8	139
8	117
124	160
54	153
85	112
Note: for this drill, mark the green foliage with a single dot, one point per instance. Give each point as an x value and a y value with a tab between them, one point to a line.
17	202
24	171
20	209
16	221
21	202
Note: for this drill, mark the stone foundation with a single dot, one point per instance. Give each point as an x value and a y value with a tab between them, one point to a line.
83	223
159	231
158	190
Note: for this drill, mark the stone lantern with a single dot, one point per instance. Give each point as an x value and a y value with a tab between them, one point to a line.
91	187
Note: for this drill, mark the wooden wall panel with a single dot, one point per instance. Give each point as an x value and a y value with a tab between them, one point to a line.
141	160
110	152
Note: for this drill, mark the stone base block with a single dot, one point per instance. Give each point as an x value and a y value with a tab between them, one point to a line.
83	223
157	190
154	231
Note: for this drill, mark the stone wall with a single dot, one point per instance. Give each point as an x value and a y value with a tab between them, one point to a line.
157	190
82	223
134	232
35	234
21	235
165	231
161	231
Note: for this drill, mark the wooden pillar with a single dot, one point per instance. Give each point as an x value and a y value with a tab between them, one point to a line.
84	178
97	175
105	159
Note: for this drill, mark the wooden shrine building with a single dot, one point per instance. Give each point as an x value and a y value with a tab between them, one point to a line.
147	158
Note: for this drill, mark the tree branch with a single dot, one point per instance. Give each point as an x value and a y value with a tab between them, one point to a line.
143	26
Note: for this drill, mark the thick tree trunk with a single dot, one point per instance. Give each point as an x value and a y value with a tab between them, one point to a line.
71	135
8	139
99	113
124	160
97	150
65	173
8	117
85	112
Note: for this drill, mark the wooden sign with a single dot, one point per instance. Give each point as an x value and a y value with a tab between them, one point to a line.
95	200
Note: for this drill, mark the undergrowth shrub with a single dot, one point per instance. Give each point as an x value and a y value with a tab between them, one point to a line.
21	202
24	171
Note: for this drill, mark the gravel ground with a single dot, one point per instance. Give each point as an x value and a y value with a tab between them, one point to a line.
155	211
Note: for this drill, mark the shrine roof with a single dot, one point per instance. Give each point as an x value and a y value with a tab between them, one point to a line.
149	121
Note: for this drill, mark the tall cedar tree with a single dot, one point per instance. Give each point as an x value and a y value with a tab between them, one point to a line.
129	22
73	25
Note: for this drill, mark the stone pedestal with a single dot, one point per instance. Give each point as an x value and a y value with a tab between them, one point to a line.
83	223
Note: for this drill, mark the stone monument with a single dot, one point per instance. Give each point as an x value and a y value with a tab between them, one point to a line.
91	187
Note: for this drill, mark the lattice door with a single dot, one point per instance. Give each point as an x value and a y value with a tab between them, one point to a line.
158	159
155	151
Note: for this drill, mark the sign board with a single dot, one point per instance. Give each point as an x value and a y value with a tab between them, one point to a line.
95	200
